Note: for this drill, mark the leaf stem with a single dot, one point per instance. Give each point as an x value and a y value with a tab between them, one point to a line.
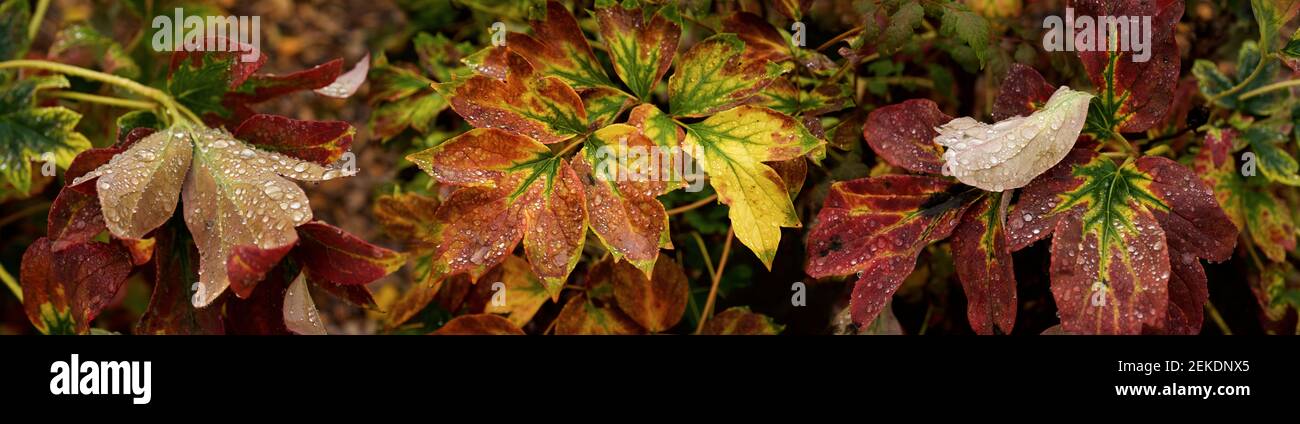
11	283
704	251
1124	144
568	148
717	277
693	205
1259	69
39	15
1271	87
1218	319
104	100
175	109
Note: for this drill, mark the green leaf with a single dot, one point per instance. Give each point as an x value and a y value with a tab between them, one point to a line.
202	86
715	75
969	27
1212	82
15	15
1267	141
731	147
641	49
29	133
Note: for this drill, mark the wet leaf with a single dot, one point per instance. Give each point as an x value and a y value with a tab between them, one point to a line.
409	218
479	324
1116	228
558	48
716	74
300	315
327	253
903	134
730	147
762	40
1250	203
241	211
1131	96
1267	141
322	142
876	227
138	187
984	266
739	321
512	188
656	303
524	102
640	48
64	291
604	105
1011	152
347	83
622	182
1023	91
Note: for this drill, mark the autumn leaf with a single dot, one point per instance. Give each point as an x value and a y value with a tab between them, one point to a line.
1116	227
622	186
64	291
1267	140
543	108
582	317
409	218
241	212
28	132
656	303
1011	152
739	321
876	227
300	315
984	266
604	105
558	49
512	188
903	134
83	45
715	75
762	40
730	146
1131	96
170	310
479	324
1023	91
406	100
1250	203
329	254
640	48
522	293
323	142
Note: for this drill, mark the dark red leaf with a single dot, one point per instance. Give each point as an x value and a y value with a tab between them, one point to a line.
903	134
1023	91
330	254
322	142
170	309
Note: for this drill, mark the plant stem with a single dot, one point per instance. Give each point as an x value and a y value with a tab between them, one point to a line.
1218	319
1123	143
717	277
1259	69
11	283
693	205
39	15
104	100
1271	87
173	108
570	147
704	251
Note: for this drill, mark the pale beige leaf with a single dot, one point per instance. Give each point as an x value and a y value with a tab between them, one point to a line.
139	187
300	315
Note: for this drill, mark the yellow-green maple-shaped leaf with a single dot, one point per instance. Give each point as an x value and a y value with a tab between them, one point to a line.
512	188
521	295
716	74
522	101
731	147
558	48
29	133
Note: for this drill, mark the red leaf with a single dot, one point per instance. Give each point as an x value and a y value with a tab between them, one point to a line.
170	310
1134	95
876	227
1023	91
260	88
74	218
983	262
329	254
903	134
248	264
347	84
64	291
762	41
322	142
262	311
